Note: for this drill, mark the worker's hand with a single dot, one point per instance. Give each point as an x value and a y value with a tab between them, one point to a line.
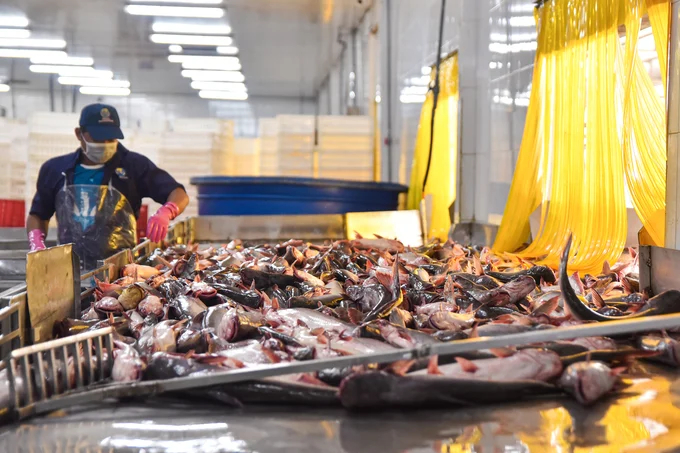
157	228
36	240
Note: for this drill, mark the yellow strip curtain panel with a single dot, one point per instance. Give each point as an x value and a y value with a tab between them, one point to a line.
441	181
594	124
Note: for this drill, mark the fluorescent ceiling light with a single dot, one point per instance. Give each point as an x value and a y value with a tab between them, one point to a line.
13	21
30	42
14	33
218	86
62	60
175	48
214	76
224	95
191	28
4	88
186	2
206	62
227	50
214	66
105	91
192	40
27	53
202	58
71	71
93	82
176	11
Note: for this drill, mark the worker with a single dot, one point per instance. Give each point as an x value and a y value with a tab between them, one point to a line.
96	192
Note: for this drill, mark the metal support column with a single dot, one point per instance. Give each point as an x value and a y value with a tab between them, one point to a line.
673	130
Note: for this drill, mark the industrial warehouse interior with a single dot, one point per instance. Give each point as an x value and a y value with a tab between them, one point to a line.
339	225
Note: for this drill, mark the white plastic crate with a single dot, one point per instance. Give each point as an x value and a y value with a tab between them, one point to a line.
268	127
296	124
196	125
348	159
53	122
350	175
344	125
345	143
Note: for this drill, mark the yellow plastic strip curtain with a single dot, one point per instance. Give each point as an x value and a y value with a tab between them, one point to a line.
530	169
441	182
659	16
644	139
575	138
594	116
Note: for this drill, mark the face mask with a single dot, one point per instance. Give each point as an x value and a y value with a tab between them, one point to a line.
100	153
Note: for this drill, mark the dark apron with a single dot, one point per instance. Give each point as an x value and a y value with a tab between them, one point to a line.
98	220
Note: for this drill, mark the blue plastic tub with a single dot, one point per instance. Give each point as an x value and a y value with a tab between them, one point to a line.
223	195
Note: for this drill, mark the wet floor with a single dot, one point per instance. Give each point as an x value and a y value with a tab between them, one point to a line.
645	418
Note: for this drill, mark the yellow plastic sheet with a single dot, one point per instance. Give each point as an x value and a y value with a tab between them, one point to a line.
644	140
441	182
589	107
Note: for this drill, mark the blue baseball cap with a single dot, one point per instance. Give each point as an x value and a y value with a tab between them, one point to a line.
101	121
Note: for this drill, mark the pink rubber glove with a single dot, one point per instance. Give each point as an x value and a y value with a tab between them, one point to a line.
36	240
157	228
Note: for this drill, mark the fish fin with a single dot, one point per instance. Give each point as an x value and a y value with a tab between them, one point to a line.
271	356
597	299
606	268
378	236
474	333
396	287
355	316
433	365
478	265
236	363
400	367
180	324
626	285
619	370
317	331
502	352
466	365
275	303
578	282
547	307
633	252
323	339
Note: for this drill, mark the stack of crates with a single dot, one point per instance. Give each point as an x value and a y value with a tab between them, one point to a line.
268	147
195	147
245	157
13	145
223	157
345	148
49	135
148	145
295	144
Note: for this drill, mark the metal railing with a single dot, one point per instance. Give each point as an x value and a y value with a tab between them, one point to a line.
58	367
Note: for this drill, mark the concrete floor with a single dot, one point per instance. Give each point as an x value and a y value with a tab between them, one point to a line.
645	418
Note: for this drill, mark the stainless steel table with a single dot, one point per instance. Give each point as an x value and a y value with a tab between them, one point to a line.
646	417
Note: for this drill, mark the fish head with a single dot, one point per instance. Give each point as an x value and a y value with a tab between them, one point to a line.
588	381
131	296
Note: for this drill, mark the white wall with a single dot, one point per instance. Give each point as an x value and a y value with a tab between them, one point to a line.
150	112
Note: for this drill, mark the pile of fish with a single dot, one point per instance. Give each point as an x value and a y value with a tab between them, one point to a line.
189	311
